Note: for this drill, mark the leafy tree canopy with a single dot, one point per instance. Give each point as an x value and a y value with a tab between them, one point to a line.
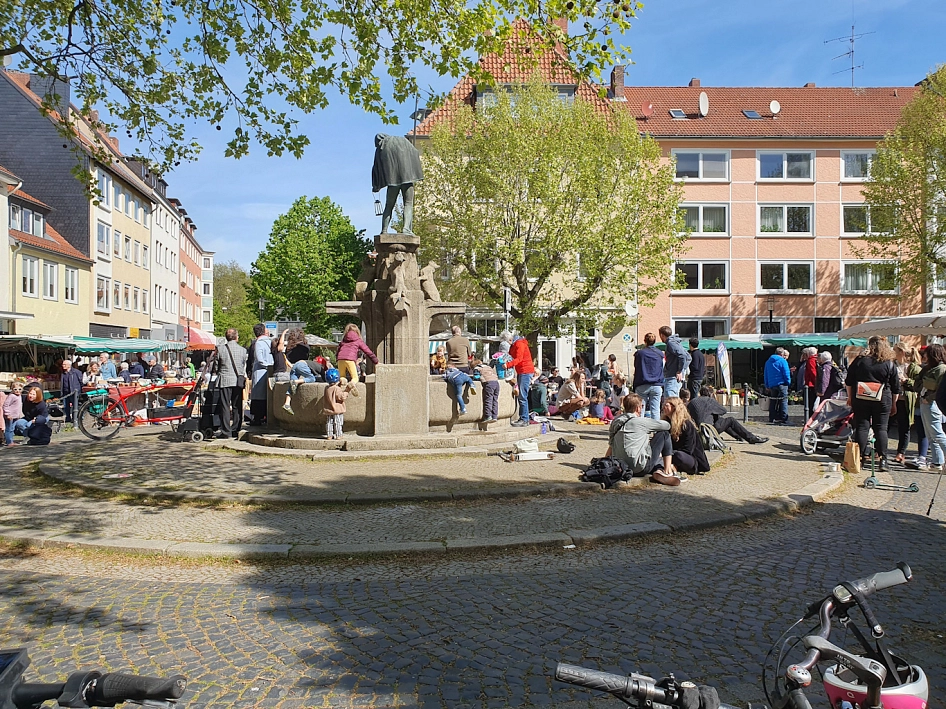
156	65
905	193
313	256
232	305
565	204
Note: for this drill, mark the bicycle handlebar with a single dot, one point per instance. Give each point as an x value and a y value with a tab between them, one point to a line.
103	690
882	580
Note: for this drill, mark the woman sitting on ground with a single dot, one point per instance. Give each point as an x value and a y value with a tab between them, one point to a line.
571	396
688	454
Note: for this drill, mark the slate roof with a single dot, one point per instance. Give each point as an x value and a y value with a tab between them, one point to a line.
52	241
8	173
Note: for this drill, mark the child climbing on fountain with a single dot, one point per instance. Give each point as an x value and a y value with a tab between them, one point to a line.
334	409
459	380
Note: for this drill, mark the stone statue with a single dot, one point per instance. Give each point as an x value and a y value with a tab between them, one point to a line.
397	167
427	283
399	282
365	278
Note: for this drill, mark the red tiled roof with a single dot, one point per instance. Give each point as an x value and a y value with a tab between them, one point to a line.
807	112
29	198
53	241
9	174
518	63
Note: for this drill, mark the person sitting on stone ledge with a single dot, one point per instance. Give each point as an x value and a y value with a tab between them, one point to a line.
705	409
459	380
438	362
302	372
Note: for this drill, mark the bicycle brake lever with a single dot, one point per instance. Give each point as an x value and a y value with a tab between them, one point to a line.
865	669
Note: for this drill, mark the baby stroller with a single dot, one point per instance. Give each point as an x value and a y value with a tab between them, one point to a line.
829	425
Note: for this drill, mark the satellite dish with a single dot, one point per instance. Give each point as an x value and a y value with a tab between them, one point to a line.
704	103
7	59
630	309
775	107
647	109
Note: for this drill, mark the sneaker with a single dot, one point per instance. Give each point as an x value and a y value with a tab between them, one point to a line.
288	409
659	476
462	412
758	440
915	463
519	423
472	391
882	465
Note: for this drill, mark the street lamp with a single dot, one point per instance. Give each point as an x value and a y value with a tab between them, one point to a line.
262	304
770	303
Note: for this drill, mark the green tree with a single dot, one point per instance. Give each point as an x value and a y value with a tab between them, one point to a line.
313	256
567	205
232	305
905	193
156	66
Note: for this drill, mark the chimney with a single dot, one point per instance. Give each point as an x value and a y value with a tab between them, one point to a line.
810	85
114	141
695	83
617	82
561	23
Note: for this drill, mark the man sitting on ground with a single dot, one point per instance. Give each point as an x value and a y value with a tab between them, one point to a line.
705	409
630	441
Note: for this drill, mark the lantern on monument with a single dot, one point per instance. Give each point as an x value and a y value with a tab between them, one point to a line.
378	209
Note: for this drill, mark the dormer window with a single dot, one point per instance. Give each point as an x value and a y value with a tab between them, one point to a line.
677	114
754	115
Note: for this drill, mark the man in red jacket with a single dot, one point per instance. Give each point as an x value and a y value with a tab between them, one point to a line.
522	362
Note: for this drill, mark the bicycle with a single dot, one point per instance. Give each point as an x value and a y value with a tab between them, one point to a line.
104	412
84	689
876	679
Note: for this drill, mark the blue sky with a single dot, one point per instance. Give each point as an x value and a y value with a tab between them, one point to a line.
733	43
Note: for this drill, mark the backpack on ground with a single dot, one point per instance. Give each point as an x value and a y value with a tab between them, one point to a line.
711	439
606	472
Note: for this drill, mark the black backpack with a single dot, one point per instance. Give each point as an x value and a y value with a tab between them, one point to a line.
836	382
606	472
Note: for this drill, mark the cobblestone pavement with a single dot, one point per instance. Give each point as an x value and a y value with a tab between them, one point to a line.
482	632
755	473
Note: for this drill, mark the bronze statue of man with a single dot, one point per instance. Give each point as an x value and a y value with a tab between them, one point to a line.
397	167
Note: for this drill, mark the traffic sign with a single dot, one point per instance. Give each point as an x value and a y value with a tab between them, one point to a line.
627	337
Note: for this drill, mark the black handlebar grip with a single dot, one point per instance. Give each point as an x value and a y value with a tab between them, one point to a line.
593	679
115	687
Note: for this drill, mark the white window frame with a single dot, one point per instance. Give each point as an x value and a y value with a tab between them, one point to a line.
687	151
855	234
116	243
16	217
699	319
137	252
41	220
136	300
785	206
108	294
116	295
206	316
700	206
145	255
101	227
105	187
70	290
144	299
784	154
701	290
50	280
205	289
871	153
785	264
126	296
207	265
127	247
29	276
845	291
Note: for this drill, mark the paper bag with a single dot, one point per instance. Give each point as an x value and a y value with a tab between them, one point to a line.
852	458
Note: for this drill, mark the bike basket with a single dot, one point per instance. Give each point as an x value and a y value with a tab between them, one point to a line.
98	401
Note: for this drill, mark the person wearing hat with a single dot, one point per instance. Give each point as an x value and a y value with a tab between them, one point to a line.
539	396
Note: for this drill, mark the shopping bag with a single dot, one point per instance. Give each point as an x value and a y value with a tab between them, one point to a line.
852	458
527	445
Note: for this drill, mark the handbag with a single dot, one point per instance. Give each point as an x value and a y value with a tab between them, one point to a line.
240	378
869	391
852	458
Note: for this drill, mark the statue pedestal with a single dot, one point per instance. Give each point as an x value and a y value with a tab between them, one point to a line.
401	404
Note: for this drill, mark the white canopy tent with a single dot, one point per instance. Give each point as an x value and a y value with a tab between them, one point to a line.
922	324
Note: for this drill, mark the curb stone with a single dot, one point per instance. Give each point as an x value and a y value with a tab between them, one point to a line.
814	492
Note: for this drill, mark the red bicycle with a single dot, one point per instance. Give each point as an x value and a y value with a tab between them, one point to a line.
105	411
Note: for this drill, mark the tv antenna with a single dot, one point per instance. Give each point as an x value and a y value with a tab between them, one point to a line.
850	52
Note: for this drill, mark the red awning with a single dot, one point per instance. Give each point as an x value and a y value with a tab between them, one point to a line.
197	339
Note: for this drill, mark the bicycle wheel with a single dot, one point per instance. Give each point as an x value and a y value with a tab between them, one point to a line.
96	425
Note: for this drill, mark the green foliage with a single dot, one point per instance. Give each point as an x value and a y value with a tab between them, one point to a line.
567	205
232	305
156	66
313	256
906	190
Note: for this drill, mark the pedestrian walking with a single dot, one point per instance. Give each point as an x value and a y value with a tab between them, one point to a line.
649	376
776	377
873	387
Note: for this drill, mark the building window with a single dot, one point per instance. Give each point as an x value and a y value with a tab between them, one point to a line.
862	219
695	165
144	300
827	326
172	301
705	219
127	300
117	295
70	290
206	262
205	317
127	248
103	238
137	253
146	216
701	328
775	326
136	207
206	289
117	244
703	276
101	293
857	164
118	197
173	263
137	300
785	166
38	222
26	221
30	270
870	277
105	188
129	206
50	280
785	276
16	215
785	219
144	257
